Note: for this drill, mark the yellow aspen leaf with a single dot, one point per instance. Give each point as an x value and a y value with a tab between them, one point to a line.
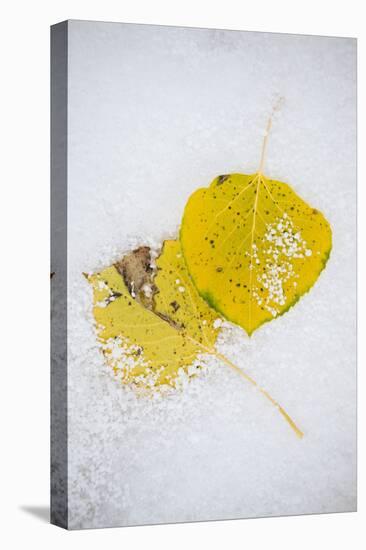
141	347
252	246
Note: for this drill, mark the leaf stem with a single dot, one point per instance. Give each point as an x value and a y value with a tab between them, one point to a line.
264	145
281	410
251	380
276	107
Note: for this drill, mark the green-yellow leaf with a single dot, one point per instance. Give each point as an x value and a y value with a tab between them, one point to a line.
253	247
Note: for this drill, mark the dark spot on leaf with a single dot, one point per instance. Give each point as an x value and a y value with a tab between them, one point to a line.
221	179
175	305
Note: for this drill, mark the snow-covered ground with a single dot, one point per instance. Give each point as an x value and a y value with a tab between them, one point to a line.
155	113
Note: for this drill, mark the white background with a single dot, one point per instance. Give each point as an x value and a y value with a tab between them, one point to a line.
25	272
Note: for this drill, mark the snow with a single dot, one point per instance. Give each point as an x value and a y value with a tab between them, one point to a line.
155	113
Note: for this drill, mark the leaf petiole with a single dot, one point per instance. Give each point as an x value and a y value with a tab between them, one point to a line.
251	380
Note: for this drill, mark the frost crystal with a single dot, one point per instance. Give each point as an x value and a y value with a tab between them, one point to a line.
282	243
